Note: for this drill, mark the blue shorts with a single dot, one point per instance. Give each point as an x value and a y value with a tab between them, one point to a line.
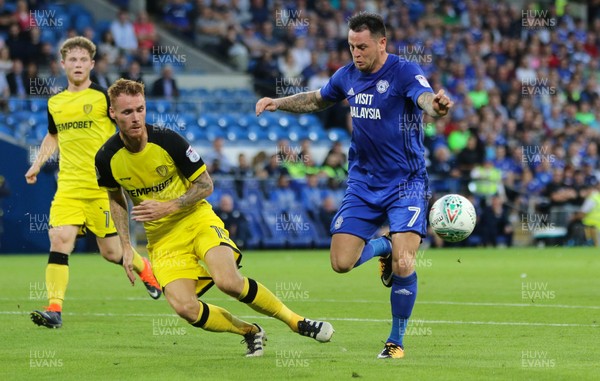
364	209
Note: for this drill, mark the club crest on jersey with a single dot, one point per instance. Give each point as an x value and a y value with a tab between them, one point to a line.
162	170
192	155
338	222
382	86
422	80
87	108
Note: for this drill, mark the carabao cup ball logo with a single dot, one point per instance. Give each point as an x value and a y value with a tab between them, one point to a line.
452	217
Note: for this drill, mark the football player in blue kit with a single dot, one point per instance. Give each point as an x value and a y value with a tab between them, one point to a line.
387	177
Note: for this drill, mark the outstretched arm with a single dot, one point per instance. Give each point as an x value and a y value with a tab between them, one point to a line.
310	101
437	105
152	210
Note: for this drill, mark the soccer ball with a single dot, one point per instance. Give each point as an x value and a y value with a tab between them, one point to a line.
452	217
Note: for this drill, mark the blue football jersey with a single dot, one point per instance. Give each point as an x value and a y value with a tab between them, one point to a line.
387	125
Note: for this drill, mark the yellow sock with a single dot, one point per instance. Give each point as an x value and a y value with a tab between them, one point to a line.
262	300
216	319
138	262
57	278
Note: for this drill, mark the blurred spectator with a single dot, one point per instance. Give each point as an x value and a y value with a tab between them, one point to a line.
108	48
178	16
4	92
17	79
272	43
241	172
496	224
166	85
591	216
6	63
265	75
145	58
258	163
469	157
235	222
327	211
319	79
273	168
334	168
288	67
23	17
259	11
134	72
217	155
487	181
6	17
145	31
237	55
558	192
100	74
209	29
124	33
283	196
311	195
17	43
56	80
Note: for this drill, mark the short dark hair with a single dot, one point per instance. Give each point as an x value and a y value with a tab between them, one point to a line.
365	20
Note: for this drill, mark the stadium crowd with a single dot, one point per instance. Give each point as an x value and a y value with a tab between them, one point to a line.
522	138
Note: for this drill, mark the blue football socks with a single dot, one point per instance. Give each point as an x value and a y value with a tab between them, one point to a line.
402	298
377	247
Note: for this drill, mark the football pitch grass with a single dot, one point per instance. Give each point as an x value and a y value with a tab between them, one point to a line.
481	314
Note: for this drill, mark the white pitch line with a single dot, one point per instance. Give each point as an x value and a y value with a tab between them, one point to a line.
254	317
315	300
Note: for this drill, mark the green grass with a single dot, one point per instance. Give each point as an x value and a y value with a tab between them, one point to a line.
512	314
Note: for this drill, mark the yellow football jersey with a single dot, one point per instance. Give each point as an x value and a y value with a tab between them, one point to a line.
162	171
82	123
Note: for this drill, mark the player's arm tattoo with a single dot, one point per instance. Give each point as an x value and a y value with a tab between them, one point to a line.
120	213
201	188
425	101
303	102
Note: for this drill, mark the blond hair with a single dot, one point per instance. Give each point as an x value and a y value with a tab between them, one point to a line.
124	86
78	42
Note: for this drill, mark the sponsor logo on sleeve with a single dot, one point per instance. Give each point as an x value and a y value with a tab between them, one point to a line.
422	80
192	155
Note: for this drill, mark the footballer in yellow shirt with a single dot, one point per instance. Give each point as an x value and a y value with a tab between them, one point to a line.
78	124
167	182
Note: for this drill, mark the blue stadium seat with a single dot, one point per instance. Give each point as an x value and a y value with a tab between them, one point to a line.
267	119
213	132
206	120
317	134
6	130
226	120
194	133
309	120
296	134
286	121
338	134
38	104
102	26
82	21
235	133
16	104
277	236
252	192
256	133
244	120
